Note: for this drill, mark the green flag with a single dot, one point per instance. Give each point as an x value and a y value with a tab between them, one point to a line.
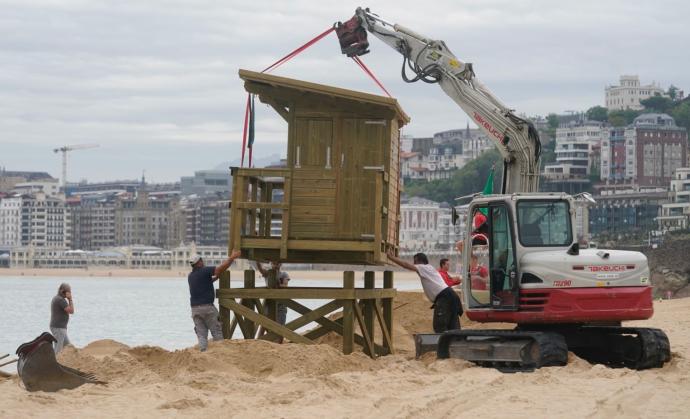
489	186
488	189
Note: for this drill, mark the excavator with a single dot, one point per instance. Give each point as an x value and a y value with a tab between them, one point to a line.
560	297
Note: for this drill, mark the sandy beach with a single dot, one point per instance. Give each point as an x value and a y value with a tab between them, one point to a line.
261	379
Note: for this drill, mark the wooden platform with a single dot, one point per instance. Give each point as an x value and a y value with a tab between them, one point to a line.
251	307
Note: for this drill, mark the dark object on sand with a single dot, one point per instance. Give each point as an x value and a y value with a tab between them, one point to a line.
39	370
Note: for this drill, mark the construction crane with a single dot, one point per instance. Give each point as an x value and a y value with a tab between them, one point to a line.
535	275
64	149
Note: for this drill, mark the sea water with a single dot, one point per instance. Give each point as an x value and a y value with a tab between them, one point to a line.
134	311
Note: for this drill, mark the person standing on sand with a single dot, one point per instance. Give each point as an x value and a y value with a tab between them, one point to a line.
61	307
445	302
283	279
202	295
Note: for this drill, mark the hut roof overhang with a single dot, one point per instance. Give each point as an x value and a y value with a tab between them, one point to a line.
278	91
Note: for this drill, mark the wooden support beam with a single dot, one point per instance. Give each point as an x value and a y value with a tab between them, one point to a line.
378	217
249	284
234	230
348	320
336	326
285	225
233	326
267	323
385	331
297	293
263	172
368	309
271	305
315	314
268	189
259	205
224	283
388	305
280	108
327	325
294	244
368	344
254	193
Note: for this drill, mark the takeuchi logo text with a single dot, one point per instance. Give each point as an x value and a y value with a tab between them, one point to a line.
488	127
607	268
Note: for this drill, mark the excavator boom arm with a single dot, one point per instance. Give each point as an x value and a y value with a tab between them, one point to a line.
432	61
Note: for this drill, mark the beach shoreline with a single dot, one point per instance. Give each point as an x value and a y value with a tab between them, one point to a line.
261	379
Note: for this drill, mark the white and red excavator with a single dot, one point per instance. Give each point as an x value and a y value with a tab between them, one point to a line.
560	297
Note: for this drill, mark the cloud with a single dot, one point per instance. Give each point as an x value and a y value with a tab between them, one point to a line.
161	76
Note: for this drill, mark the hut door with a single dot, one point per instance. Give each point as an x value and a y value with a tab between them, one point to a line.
312	199
361	151
313	144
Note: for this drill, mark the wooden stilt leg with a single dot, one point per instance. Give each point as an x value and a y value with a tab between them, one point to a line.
368	311
224	283
348	317
388	308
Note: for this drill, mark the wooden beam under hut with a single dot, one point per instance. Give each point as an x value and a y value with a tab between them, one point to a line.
364	310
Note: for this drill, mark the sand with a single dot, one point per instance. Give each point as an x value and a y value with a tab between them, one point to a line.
262	379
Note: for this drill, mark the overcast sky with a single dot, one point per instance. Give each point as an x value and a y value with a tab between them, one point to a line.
155	82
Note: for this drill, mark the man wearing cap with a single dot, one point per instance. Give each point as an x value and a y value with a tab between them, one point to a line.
201	297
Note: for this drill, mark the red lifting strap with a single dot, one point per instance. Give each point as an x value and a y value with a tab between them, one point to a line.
282	61
297	51
361	64
267	69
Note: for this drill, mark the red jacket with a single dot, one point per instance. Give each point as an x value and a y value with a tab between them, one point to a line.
448	280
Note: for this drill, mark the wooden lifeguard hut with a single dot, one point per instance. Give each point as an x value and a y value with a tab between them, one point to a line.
337	201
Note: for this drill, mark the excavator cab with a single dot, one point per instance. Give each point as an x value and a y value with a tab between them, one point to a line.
491	264
503	229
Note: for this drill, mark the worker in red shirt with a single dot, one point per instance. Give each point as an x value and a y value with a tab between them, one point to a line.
479	274
445	274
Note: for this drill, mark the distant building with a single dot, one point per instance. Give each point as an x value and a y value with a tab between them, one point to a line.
117	186
207	182
629	93
9	178
10	221
50	187
206	221
126	257
576	143
644	154
625	213
35	220
676	213
148	220
425	225
438	157
93	221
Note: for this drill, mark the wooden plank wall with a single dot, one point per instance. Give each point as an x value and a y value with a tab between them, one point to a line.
312	201
393	186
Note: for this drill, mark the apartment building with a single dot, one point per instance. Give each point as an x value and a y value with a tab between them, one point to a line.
646	153
675	214
148	220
